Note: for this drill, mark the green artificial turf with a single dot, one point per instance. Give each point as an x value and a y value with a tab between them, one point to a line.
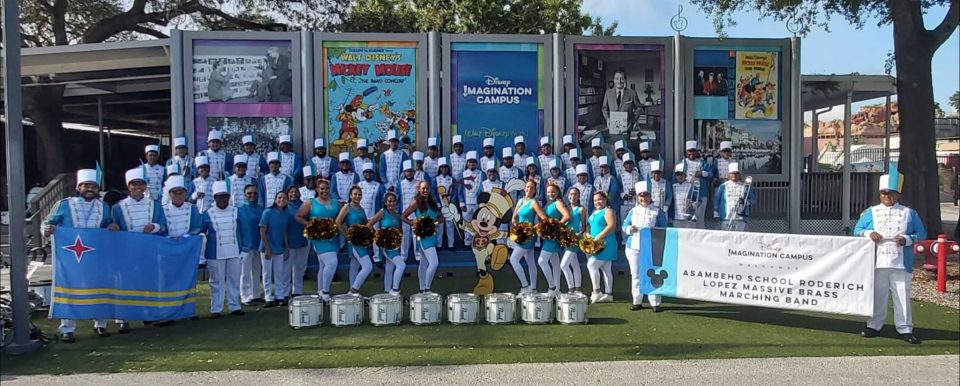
263	340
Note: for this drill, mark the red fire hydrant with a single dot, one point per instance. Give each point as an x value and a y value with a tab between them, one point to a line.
938	248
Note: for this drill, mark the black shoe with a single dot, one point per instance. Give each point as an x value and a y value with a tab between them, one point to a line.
294	295
284	303
163	323
656	309
101	332
910	338
270	304
869	333
257	300
67	337
636	307
124	328
215	315
238	313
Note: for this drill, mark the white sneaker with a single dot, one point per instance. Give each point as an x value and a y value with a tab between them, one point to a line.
552	293
526	290
394	292
325	297
605	298
595	298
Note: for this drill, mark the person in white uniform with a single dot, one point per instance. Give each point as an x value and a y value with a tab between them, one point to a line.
372	201
86	211
585	187
894	228
221	224
309	188
661	190
430	163
407	189
363	157
685	201
444	194
181	158
568	145
628	179
344	179
323	166
520	155
221	162
391	160
155	172
644	215
240	180
733	200
698	174
488	152
468	187
274	182
183	219
256	163
202	185
458	159
644	162
290	162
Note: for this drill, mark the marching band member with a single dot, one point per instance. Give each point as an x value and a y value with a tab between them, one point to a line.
221	223
628	180
344	179
249	213
419	173
318	208
556	177
425	206
546	154
219	160
323	166
408	195
520	155
182	217
394	265
568	145
86	211
155	172
644	215
721	164
138	213
661	190
549	260
433	154
488	155
620	148
467	190
527	210
298	247
443	186
894	228
684	203
574	158
363	157
596	146
570	264
181	157
730	195
391	161
239	180
256	162
458	160
607	183
372	198
493	181
202	185
508	170
173	169
309	188
645	163
698	174
602	226
273	182
585	187
274	248
290	162
352	214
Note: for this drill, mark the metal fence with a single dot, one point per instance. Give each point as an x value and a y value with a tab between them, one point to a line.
44	202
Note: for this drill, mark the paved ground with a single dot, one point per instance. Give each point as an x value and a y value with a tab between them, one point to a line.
920	370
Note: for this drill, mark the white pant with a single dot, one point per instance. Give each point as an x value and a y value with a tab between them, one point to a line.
327	268
363	268
70	325
571	269
624	211
550	264
393	272
633	258
427	268
224	271
701	210
895	282
409	240
446	229
467	217
595	267
298	267
733	225
276	277
524	254
250	267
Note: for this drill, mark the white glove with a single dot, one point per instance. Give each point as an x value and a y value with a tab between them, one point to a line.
451	212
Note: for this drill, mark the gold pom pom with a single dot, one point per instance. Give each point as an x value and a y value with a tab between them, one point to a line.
591	246
425	227
549	229
321	229
522	232
360	235
568	238
389	238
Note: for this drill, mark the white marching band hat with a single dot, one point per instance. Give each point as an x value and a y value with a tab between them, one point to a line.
248	139
596	142
655	166
491	165
344	157
361	143
582	169
273	157
135	174
733	167
507	152
627	157
392	135
644	146
284	139
153	148
407	165
241	161
568	139
214	135
318	143
418	156
680	168
574	153
220	187
892	181
604	161
552	164
472	155
726	145
641	187
201	161
87	175
457	139
173	169
432	141
518	139
367	166
308	171
544	141
488	142
691	145
180	141
442	161
529	161
619	145
175	182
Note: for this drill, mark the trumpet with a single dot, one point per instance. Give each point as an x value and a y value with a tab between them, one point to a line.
692	199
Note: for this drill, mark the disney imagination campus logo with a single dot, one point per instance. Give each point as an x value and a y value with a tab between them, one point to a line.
496	91
490	132
769	251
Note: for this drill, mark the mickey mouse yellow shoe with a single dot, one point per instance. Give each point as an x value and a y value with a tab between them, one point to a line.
484	284
499	257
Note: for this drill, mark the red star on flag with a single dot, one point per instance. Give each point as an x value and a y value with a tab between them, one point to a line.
78	248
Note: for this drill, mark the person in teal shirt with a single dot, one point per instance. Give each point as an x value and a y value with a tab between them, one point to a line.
425	206
394	264
352	214
602	225
248	221
322	207
570	264
550	251
527	210
299	246
273	251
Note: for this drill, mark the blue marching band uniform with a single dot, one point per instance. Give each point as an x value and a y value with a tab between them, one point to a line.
179	198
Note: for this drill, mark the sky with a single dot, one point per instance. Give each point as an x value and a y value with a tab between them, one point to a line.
863	50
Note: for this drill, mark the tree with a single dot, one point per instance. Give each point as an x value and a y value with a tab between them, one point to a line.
473	16
955	103
64	22
914	46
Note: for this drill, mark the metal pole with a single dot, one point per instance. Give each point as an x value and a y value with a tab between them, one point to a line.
886	136
558	95
103	160
845	197
679	102
176	87
16	199
796	137
433	93
814	142
308	131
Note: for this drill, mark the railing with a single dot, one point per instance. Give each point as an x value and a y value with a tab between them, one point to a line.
772	200
41	204
821	196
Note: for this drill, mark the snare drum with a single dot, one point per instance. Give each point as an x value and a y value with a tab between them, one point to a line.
425	308
346	310
306	311
385	309
572	308
462	308
501	308
536	308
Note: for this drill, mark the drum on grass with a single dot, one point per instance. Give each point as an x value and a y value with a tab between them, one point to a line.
501	308
536	308
462	308
306	311
572	308
425	308
385	309
346	310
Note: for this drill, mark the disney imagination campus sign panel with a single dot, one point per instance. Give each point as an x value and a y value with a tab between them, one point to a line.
497	92
369	88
